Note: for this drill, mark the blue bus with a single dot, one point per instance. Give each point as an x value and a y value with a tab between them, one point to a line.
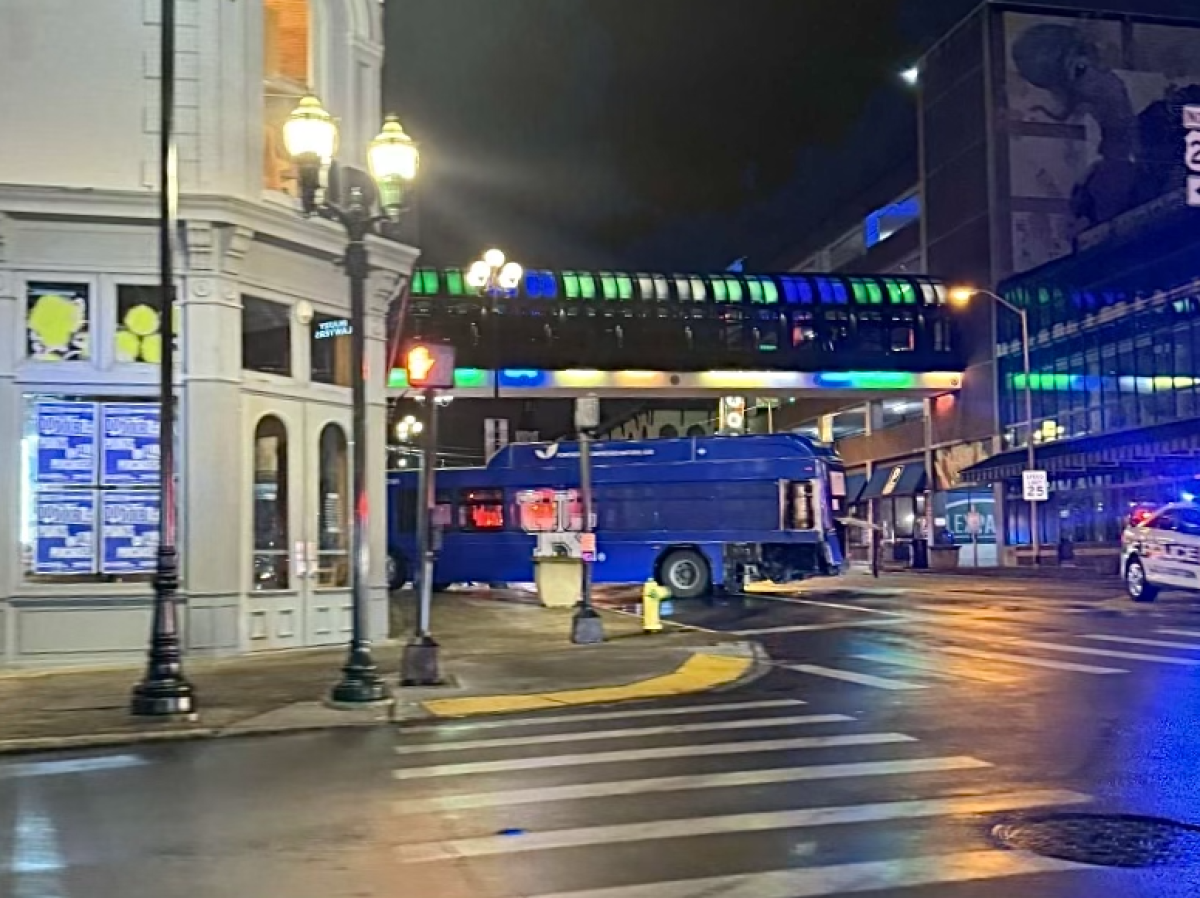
693	513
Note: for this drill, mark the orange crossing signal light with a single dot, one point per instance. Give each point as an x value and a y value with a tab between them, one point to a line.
429	365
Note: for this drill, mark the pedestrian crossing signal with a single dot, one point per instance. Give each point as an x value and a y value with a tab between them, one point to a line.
429	365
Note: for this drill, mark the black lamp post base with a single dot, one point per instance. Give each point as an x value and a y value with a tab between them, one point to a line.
419	666
586	627
173	697
360	683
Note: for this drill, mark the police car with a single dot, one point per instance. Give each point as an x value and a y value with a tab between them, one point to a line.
1161	550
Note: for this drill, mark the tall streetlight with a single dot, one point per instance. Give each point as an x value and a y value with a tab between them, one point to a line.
962	296
164	691
494	277
351	198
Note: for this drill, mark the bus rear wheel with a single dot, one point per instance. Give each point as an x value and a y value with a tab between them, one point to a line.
685	573
397	571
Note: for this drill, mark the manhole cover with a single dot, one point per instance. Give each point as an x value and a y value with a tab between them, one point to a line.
1105	840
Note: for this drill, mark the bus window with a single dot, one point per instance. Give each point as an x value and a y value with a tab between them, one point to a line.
404	508
481	510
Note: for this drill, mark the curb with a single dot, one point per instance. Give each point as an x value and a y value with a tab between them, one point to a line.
704	671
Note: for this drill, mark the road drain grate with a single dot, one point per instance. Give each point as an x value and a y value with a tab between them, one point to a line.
1116	840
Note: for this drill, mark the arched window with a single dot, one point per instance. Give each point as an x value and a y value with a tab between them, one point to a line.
286	77
333	518
668	432
695	431
271	569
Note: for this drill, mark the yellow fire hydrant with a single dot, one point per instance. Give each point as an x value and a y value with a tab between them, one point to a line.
653	595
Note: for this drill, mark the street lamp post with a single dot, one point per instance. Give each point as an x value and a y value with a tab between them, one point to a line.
964	295
164	691
494	277
311	138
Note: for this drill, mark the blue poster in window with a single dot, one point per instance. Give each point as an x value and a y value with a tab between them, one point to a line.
130	449
129	538
65	532
66	443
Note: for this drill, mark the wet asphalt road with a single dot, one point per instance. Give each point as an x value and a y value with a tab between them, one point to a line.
896	728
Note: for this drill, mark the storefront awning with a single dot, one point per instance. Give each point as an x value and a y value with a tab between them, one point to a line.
854	487
1168	449
895	480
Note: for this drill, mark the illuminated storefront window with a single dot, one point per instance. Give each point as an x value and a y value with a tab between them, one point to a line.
333	524
57	319
270	505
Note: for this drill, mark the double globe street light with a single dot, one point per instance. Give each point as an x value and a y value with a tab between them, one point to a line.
362	204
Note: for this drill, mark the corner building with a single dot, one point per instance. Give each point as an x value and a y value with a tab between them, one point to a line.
263	375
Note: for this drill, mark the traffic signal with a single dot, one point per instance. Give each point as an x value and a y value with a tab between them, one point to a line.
429	365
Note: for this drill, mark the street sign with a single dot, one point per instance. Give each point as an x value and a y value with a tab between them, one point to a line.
430	365
1036	486
587	412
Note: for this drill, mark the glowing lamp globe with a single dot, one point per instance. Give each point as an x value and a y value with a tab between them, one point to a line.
310	131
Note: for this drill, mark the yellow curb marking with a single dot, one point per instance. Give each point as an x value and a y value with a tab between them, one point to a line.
697	674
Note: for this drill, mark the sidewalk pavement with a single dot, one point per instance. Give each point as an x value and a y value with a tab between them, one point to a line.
497	656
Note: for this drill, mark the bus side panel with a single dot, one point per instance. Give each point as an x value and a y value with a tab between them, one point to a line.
634	562
486	557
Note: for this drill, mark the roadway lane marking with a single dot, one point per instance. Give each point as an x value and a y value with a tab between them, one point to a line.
1172	632
588	717
652	754
612	834
676	729
932	665
1032	662
851	676
812	628
694	782
1107	653
793	601
1153	643
843	879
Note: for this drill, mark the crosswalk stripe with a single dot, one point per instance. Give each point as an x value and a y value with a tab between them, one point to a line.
1153	643
752	723
692	782
1031	662
549	719
851	676
1170	631
687	827
934	666
1107	653
884	876
651	754
812	628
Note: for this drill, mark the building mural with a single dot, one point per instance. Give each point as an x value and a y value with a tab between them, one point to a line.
1093	114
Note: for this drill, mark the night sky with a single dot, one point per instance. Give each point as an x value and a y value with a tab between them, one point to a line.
646	133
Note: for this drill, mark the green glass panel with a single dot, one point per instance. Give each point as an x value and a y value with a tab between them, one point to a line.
571	284
755	288
770	291
699	291
429	280
587	285
608	285
720	294
625	286
454	282
735	289
860	290
874	293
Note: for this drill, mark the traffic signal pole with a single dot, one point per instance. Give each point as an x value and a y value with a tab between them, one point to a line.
419	665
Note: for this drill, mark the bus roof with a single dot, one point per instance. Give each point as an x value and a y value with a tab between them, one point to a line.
607	453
